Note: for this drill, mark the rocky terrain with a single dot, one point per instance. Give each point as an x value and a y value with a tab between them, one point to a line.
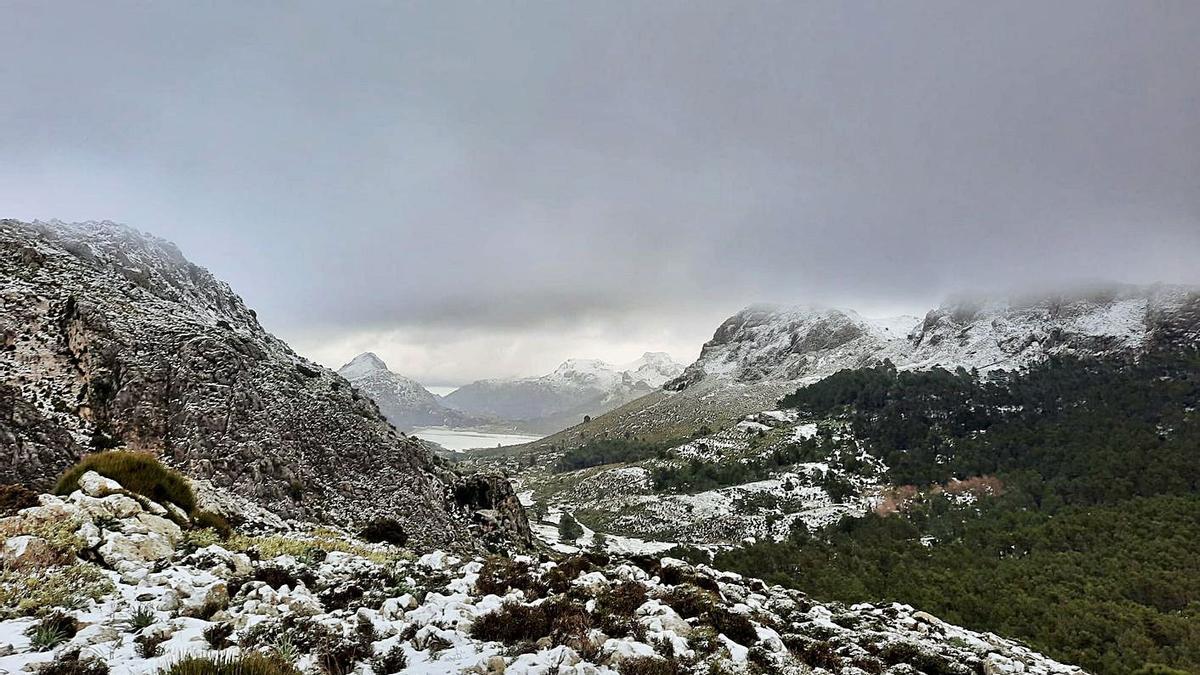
111	337
402	400
577	388
102	580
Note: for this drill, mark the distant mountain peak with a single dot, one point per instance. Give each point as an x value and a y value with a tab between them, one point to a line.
364	363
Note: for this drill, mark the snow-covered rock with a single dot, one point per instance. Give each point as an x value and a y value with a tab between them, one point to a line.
434	613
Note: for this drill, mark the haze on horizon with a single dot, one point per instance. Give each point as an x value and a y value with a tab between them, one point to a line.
475	190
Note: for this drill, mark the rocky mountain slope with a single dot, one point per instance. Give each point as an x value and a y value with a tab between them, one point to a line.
124	590
562	398
763	352
403	401
112	338
805	344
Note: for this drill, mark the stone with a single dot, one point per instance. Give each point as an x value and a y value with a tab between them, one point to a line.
93	484
28	552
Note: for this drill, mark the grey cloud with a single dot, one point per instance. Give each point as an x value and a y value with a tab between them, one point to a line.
520	170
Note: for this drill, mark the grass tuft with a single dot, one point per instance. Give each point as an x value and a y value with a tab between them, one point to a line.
137	472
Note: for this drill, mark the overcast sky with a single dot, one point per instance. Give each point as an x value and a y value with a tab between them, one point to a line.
483	189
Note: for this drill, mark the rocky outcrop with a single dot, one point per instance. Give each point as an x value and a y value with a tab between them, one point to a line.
496	512
113	338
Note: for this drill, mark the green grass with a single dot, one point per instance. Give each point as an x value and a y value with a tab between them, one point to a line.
137	472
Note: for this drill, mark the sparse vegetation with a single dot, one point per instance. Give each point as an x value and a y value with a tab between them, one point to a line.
251	663
26	593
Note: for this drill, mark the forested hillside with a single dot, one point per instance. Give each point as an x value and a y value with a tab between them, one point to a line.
1088	547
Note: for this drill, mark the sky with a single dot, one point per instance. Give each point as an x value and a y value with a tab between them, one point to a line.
483	189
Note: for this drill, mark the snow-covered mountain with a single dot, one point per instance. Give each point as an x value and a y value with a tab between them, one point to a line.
402	400
563	397
803	344
765	351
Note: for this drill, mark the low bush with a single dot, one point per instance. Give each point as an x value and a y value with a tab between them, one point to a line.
212	521
736	627
615	607
71	662
137	472
392	661
242	664
501	574
13	498
560	620
217	635
647	665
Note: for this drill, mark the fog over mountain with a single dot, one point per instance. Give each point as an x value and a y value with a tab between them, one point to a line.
487	190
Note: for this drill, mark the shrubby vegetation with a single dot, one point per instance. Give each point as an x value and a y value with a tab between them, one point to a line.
1089	554
612	451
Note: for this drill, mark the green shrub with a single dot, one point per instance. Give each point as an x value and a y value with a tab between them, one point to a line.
243	664
52	631
393	660
135	471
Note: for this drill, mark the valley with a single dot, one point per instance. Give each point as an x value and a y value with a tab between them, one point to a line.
860	468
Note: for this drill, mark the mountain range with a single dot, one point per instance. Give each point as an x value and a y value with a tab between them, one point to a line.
576	389
765	351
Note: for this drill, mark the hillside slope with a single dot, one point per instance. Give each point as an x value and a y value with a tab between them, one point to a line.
112	338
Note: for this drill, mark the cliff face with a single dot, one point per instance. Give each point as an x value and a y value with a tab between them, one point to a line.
111	337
